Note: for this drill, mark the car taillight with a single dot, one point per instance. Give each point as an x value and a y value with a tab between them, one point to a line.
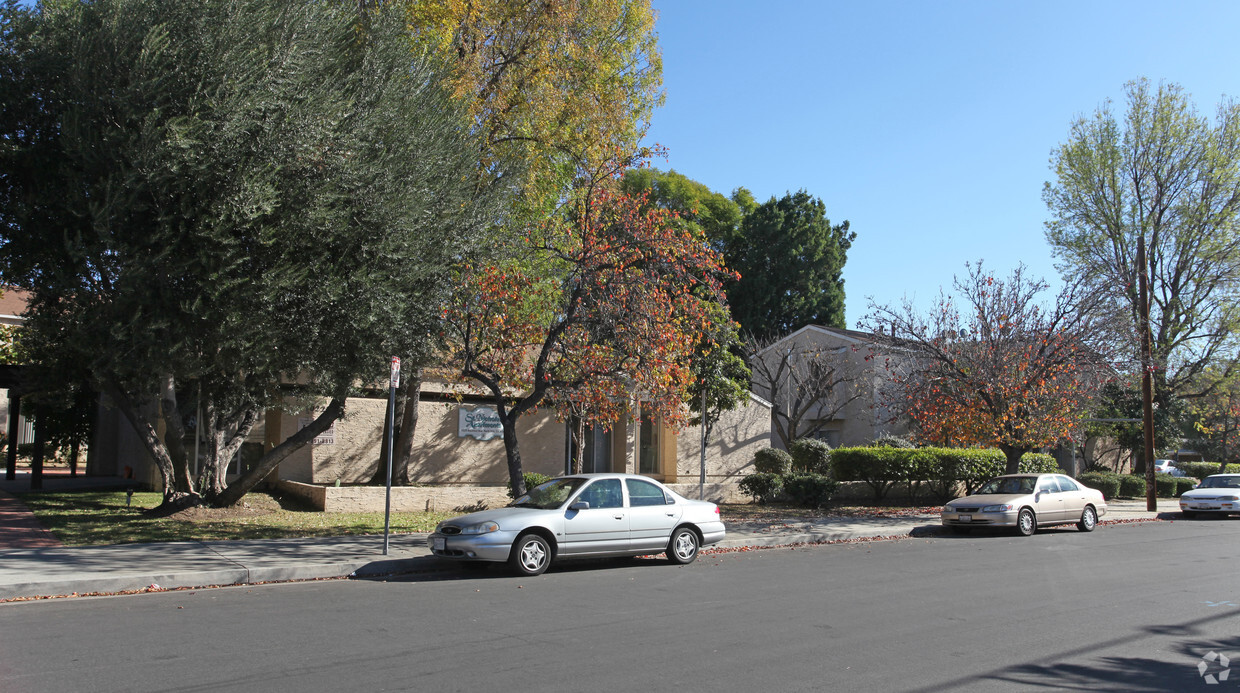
716	510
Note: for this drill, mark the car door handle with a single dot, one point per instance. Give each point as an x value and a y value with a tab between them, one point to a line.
671	514
619	517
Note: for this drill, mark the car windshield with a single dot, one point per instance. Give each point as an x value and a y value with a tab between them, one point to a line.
550	495
1220	482
1020	484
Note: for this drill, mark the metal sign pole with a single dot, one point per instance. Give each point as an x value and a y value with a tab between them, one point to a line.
391	425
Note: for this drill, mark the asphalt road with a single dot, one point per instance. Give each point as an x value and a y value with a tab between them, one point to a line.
1126	608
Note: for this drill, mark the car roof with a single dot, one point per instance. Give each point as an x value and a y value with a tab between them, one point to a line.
1212	476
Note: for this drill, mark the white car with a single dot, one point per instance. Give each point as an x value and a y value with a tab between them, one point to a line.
1168	467
1026	502
582	516
1217	494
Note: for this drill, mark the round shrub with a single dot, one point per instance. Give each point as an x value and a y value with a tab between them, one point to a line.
809	490
810	456
762	487
531	479
1106	482
1131	486
772	461
1038	463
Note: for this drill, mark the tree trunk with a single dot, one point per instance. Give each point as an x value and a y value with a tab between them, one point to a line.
174	437
144	426
408	427
516	477
237	489
225	438
1013	456
579	444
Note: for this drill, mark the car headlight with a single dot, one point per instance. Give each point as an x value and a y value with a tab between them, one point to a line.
948	509
481	528
998	508
1229	498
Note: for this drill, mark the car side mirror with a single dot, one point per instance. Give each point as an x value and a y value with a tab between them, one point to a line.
579	505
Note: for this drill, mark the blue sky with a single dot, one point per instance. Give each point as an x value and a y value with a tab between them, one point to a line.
927	125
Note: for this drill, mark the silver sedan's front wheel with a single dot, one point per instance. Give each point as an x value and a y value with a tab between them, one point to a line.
683	548
531	555
1089	519
1026	523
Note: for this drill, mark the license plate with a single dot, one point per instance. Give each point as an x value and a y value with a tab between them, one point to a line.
439	543
1207	507
965	518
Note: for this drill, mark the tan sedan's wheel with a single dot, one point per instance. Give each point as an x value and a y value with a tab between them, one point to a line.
530	555
683	548
1026	523
1089	519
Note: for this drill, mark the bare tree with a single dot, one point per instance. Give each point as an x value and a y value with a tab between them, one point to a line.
808	384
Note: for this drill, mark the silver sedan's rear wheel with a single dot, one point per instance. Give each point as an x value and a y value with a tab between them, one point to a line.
1026	523
1089	519
683	548
531	554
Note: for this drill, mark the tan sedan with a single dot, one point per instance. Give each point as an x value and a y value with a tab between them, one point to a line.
1026	502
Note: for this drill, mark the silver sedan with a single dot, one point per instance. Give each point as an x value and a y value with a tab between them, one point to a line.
1026	502
582	516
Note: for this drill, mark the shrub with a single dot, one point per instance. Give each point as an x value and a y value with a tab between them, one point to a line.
1165	485
1201	470
1184	483
879	468
889	441
531	479
1106	482
1131	486
809	490
772	461
762	487
1038	463
810	456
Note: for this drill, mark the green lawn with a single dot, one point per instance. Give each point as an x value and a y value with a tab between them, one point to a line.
81	518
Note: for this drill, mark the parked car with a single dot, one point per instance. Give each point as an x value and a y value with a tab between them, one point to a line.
582	516
1168	467
1217	494
1026	502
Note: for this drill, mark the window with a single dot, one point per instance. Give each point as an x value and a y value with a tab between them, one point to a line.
648	461
1066	484
1048	485
643	493
604	493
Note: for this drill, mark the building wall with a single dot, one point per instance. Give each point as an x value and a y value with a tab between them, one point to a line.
735	439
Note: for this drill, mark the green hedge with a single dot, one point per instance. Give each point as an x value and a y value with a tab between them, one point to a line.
1106	482
1113	485
940	469
772	461
809	490
762	487
810	456
1201	470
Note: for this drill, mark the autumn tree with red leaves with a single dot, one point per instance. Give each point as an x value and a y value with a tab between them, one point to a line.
996	368
605	301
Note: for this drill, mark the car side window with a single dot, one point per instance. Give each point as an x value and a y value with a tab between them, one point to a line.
603	493
1048	485
1066	484
643	493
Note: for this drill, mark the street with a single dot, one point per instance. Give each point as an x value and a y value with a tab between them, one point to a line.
1126	608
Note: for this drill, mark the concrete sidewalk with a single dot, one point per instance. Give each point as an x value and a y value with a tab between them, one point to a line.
124	568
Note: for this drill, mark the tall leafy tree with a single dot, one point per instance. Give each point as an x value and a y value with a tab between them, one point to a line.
593	307
791	260
1162	171
994	366
210	199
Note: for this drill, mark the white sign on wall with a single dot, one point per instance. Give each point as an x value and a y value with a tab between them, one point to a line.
481	422
327	437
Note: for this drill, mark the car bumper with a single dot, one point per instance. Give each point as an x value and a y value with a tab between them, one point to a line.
494	546
712	532
1210	506
1003	519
